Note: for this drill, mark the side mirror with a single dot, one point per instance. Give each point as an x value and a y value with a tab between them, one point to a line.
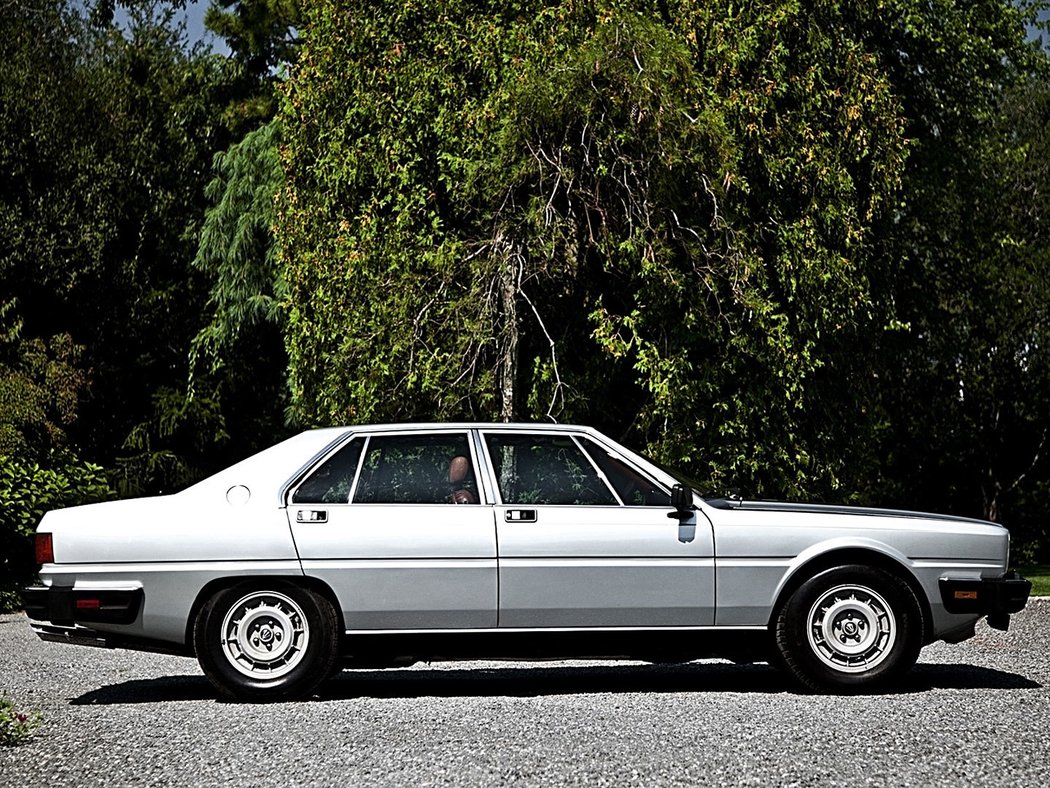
682	501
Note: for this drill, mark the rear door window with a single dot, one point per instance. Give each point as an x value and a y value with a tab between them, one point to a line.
420	468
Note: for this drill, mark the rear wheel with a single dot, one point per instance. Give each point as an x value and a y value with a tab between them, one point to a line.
274	641
849	629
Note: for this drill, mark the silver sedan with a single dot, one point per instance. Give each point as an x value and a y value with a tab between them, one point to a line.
381	545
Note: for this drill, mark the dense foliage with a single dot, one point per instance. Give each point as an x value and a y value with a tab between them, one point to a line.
654	222
106	151
27	491
962	381
766	241
107	135
238	357
261	37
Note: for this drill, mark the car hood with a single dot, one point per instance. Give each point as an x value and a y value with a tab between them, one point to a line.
820	508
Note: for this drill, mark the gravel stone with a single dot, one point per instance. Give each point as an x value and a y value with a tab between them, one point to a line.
973	713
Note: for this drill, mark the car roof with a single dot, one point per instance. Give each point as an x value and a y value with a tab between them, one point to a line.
463	425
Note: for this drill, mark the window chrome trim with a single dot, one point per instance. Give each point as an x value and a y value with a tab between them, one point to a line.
483	470
601	474
488	484
497	493
295	481
357	471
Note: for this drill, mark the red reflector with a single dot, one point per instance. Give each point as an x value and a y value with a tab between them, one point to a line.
87	604
45	550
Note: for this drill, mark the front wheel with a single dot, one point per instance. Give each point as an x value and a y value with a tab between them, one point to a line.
273	641
849	629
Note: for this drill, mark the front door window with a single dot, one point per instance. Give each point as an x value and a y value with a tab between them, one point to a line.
632	486
546	470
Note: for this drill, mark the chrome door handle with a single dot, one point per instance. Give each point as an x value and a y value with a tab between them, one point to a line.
520	516
311	516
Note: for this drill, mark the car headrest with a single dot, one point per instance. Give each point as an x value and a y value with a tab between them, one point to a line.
458	469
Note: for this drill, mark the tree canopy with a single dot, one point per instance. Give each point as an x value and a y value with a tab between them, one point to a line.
743	237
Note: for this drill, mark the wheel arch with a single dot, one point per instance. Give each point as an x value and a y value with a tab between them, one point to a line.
864	555
222	583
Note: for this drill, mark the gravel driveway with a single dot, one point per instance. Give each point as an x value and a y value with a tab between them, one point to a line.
975	713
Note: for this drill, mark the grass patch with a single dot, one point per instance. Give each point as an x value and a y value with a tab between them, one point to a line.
1039	574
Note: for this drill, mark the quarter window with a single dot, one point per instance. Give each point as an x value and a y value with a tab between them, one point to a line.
545	469
334	478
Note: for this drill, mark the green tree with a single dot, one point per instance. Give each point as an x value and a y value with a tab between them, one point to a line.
962	376
236	244
1017	480
107	136
262	38
239	356
261	34
623	213
41	384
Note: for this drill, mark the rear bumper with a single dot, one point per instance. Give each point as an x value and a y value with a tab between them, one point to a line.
995	597
55	616
65	606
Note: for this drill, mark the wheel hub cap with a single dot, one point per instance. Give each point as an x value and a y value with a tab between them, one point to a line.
265	635
851	628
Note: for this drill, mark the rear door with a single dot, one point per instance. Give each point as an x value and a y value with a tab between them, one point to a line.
394	522
585	541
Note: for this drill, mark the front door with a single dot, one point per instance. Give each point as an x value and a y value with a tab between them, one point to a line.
585	541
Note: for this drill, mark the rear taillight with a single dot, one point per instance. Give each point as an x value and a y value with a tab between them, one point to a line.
45	549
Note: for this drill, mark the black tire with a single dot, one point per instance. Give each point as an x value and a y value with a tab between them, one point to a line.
849	629
266	641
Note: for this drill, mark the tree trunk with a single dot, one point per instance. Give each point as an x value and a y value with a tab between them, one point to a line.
508	339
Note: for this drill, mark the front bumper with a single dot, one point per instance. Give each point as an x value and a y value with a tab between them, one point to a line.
995	597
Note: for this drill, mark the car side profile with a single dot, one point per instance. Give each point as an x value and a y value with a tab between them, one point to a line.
381	545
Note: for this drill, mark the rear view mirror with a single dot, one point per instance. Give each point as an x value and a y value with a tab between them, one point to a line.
682	501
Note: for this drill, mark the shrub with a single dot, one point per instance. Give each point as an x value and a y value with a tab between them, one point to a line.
27	491
16	727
